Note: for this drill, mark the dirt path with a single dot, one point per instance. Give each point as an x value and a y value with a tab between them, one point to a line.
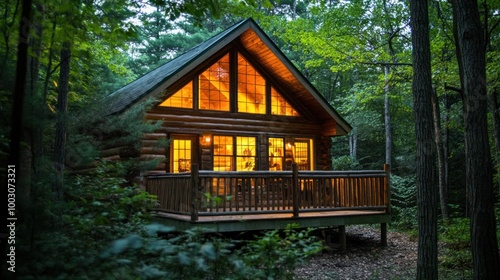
364	258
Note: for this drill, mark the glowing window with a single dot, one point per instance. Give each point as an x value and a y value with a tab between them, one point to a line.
223	153
214	86
279	106
181	99
276	153
181	150
302	154
251	89
245	153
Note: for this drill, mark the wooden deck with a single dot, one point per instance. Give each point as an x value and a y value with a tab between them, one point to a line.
260	200
264	221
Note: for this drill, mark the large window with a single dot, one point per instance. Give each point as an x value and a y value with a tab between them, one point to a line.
214	86
251	88
230	157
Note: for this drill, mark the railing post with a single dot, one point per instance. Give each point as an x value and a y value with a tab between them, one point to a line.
295	190
387	187
194	192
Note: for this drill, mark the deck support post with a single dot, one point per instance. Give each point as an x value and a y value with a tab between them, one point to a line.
295	190
342	238
194	192
383	234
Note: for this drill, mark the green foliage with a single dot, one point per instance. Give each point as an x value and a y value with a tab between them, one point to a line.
80	236
214	200
456	254
96	208
102	205
275	257
404	202
195	255
345	163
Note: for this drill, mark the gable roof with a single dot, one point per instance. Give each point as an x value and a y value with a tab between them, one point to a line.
259	45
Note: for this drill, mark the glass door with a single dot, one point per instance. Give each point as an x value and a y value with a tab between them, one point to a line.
182	153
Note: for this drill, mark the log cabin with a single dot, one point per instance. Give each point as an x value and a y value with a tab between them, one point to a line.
249	139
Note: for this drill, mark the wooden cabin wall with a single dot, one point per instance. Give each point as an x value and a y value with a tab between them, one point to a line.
323	153
154	146
263	157
183	121
192	122
206	158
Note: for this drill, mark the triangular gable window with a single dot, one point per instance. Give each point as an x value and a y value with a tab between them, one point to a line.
181	99
213	91
279	106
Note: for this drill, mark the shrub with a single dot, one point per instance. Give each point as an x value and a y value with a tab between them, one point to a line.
68	235
195	255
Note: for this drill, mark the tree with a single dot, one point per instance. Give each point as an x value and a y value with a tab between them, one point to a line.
426	161
479	170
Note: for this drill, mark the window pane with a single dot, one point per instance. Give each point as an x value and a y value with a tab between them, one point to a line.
181	99
223	153
276	153
214	86
251	89
279	106
245	153
181	155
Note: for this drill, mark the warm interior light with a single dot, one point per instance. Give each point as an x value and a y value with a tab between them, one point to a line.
288	146
206	138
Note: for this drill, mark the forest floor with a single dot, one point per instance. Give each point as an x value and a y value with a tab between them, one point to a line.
365	258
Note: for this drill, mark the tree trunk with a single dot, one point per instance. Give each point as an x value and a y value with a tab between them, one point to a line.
62	105
387	119
446	136
443	184
479	171
427	265
495	112
353	143
35	137
17	124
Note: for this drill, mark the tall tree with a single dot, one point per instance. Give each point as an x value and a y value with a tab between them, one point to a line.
479	170
426	161
443	190
62	108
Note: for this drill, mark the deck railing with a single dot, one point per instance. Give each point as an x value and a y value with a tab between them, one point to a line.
227	193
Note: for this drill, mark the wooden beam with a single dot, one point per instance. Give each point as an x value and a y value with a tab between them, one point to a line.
194	192
295	190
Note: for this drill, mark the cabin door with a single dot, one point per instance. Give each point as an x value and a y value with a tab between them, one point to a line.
182	153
